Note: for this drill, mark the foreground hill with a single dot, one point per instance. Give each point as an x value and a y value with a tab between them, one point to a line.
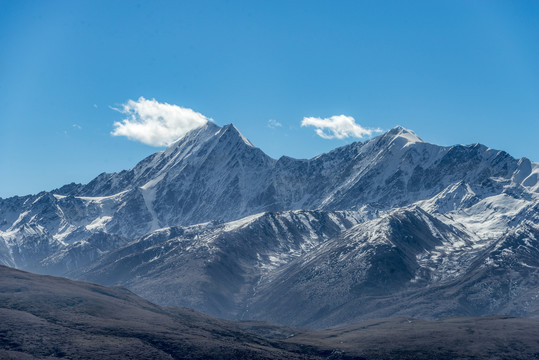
50	317
494	337
44	316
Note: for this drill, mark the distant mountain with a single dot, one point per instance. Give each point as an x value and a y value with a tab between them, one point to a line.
213	223
49	317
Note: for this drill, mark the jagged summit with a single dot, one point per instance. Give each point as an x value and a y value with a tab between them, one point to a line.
233	129
206	144
205	131
398	129
402	131
399	136
211	130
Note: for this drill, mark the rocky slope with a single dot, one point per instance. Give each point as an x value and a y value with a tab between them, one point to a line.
215	268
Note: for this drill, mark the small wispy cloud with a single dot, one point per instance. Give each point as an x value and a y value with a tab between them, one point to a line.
338	127
77	126
154	123
272	124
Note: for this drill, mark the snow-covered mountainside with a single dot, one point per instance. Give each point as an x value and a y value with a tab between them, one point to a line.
213	223
216	268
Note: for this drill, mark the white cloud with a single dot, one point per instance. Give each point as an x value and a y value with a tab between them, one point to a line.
77	126
154	123
272	124
338	126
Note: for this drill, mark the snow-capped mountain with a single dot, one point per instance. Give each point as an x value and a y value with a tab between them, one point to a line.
213	223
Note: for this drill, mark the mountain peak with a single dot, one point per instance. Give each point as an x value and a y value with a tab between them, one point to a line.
230	128
402	136
204	131
401	130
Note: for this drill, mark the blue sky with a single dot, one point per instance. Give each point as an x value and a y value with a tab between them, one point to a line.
453	71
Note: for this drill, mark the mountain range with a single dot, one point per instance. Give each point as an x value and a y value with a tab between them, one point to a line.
393	226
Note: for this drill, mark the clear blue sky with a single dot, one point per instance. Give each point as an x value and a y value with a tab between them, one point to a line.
453	71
